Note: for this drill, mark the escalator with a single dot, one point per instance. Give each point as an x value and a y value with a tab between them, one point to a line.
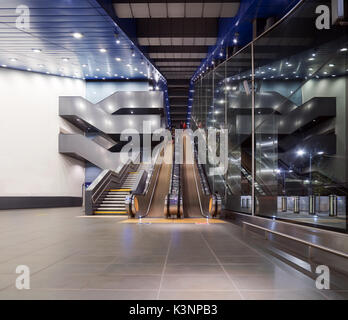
198	199
161	189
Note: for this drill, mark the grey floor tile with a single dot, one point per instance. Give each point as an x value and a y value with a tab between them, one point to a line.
251	268
195	269
242	259
206	282
89	259
283	295
134	269
7	280
40	294
81	258
192	259
58	281
278	280
199	295
75	268
125	282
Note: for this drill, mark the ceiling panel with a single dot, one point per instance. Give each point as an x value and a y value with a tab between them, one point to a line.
123	10
193	10
158	10
154	41
211	10
140	10
176	10
165	41
188	41
177	41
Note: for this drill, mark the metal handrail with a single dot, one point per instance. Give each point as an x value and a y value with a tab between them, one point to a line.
310	244
149	182
107	177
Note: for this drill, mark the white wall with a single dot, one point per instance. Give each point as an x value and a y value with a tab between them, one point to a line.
30	163
97	91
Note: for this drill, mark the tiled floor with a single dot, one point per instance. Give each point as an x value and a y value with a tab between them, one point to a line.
82	258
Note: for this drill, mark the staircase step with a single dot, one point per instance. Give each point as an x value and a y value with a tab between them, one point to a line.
110	212
111	208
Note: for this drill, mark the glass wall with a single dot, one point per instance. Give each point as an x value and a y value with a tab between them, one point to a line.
301	117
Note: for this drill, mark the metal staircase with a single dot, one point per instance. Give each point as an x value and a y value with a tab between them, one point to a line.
113	201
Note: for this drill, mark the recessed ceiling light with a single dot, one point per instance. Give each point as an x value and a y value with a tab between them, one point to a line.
84	65
28	69
77	35
36	50
118	59
118	41
47	72
97	69
4	65
13	59
325	72
331	65
311	59
65	59
41	65
102	50
344	49
116	75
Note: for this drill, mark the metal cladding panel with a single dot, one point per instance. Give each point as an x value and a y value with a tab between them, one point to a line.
81	109
79	146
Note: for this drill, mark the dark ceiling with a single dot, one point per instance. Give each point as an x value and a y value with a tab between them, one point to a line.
176	35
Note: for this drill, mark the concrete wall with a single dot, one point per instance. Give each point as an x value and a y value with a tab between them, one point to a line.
29	159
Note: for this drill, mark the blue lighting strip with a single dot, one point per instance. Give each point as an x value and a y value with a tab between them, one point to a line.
237	31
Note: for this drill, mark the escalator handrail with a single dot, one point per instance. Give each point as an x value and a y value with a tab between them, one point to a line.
146	190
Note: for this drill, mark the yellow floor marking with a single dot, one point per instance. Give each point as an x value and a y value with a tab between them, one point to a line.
135	172
174	221
110	212
101	216
120	190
